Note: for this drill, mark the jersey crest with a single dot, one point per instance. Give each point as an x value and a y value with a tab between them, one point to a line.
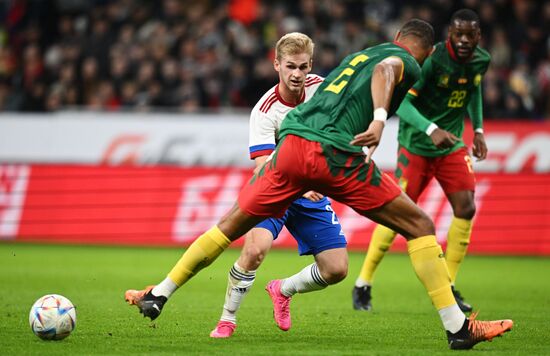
443	81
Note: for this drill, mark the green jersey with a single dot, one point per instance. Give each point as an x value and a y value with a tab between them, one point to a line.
446	92
342	106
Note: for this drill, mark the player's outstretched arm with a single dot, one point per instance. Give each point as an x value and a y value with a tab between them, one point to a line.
410	114
385	77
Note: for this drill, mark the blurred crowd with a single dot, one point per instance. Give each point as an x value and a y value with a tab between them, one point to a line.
189	56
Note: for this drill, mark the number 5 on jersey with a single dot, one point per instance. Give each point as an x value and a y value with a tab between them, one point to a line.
341	81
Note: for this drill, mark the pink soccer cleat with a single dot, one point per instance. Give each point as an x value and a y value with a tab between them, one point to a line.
223	330
281	304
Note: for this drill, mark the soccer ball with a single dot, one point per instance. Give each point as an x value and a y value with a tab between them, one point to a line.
52	317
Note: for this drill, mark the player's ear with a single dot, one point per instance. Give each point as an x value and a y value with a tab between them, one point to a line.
276	64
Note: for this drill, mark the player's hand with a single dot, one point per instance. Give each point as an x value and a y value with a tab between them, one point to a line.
313	196
480	148
443	139
370	138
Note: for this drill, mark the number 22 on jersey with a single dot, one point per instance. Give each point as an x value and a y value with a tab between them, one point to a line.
341	81
457	99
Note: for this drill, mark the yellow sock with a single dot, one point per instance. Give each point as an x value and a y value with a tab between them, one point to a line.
430	267
458	239
380	242
202	252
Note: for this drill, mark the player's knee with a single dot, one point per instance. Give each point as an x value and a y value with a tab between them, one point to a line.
334	273
424	226
252	257
466	210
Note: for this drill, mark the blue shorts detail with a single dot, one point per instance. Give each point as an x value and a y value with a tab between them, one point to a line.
313	225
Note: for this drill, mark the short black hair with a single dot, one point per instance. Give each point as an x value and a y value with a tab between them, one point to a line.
465	15
421	29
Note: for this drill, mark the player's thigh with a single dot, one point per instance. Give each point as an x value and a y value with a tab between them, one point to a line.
413	172
403	216
455	172
315	227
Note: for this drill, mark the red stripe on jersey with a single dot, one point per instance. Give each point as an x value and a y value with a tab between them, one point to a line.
260	153
313	82
312	79
269	98
269	104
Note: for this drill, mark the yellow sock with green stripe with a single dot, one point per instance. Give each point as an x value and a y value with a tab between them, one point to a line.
458	239
202	252
429	264
381	240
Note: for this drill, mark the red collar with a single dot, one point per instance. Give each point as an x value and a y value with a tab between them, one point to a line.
451	50
280	98
452	53
403	46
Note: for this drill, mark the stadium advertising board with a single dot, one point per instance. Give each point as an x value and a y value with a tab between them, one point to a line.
162	180
166	206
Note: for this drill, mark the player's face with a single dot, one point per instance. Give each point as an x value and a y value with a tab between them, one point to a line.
293	70
464	37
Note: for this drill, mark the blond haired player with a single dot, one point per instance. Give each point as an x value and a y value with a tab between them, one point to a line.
309	219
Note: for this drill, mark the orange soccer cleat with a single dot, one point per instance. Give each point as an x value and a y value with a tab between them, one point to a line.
475	331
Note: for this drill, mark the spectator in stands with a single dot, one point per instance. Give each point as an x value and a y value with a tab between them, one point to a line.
190	55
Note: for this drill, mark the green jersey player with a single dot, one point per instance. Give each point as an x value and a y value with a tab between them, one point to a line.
319	155
431	125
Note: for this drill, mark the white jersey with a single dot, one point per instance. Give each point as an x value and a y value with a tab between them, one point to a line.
269	113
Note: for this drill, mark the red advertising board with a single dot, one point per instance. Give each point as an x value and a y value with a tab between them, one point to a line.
171	206
515	146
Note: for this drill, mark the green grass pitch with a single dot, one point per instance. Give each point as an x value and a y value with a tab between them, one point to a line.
403	321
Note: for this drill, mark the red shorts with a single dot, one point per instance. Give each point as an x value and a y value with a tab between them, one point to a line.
299	165
453	172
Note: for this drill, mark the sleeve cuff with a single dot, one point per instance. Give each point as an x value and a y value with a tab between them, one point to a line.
431	129
479	130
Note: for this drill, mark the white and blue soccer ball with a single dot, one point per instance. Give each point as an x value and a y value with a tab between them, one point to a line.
52	317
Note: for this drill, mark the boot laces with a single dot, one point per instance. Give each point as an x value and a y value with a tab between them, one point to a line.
285	309
478	329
